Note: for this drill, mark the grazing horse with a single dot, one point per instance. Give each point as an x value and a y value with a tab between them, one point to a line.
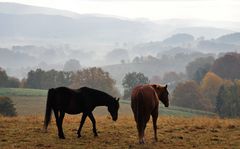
144	102
74	101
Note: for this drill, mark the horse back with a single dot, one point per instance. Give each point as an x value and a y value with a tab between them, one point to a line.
68	100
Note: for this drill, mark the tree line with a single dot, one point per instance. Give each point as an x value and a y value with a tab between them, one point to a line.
39	79
212	85
209	84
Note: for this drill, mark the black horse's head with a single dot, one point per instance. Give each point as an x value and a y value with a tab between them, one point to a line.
113	108
162	93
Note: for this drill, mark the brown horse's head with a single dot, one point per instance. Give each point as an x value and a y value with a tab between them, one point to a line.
162	93
113	108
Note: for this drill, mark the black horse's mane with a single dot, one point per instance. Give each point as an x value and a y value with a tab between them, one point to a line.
95	91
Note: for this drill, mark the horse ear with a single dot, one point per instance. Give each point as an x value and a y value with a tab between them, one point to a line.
117	99
166	86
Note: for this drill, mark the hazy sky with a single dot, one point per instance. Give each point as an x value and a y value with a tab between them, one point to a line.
214	10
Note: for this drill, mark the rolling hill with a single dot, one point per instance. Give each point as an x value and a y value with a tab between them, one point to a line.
31	22
33	102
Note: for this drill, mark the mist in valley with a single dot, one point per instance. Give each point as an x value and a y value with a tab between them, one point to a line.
185	53
64	45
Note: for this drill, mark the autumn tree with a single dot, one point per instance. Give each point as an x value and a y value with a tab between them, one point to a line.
7	107
210	85
131	80
227	67
188	95
95	78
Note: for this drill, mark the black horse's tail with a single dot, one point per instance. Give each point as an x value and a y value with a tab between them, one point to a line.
48	112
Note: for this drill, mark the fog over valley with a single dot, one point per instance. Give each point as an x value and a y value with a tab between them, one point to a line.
103	71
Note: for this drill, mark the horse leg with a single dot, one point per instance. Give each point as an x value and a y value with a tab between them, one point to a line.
58	124
93	123
141	127
154	119
81	124
62	114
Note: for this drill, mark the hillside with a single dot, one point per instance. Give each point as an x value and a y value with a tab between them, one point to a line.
173	132
233	38
16	8
29	23
33	102
179	39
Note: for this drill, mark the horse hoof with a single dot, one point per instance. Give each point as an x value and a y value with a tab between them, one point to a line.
79	136
141	142
95	135
61	137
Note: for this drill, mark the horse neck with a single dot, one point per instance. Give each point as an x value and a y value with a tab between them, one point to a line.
160	93
105	101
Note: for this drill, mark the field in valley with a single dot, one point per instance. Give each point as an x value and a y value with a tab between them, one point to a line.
177	127
33	102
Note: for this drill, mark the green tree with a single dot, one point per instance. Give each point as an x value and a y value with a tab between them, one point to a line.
35	79
3	78
13	82
47	79
131	80
6	107
6	81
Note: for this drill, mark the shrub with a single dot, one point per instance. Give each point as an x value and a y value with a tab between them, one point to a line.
7	107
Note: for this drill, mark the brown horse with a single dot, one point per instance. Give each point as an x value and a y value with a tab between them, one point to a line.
144	102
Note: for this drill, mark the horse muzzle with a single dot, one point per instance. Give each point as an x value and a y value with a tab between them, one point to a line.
114	119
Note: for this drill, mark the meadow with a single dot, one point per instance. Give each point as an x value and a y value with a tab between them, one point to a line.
32	102
177	127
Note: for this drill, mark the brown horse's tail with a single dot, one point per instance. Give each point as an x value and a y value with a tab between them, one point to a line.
139	108
48	112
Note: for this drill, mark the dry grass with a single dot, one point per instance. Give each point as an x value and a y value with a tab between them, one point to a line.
173	132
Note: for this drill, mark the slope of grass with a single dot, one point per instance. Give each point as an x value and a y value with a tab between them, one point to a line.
22	92
173	132
32	101
179	111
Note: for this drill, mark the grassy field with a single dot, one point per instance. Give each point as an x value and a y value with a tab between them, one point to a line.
177	127
173	132
22	92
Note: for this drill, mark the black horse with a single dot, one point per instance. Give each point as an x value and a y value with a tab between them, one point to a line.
74	101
